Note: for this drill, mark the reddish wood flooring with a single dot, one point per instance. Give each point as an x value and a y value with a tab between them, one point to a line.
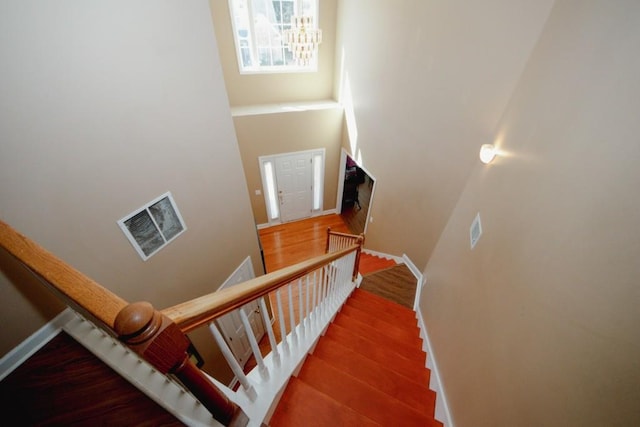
64	384
372	263
368	369
287	244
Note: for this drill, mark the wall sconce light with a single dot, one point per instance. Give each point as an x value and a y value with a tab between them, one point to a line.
487	153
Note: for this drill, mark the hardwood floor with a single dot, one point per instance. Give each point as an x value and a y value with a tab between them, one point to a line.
65	384
356	217
396	284
287	244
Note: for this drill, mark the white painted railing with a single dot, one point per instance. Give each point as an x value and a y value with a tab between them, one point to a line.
309	303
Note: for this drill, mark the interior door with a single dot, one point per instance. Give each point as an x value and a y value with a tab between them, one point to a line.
231	325
294	176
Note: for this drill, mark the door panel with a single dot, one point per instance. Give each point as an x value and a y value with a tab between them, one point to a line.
231	325
294	177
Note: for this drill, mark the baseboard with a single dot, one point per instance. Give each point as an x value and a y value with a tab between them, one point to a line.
419	279
397	259
442	408
35	342
327	212
322	213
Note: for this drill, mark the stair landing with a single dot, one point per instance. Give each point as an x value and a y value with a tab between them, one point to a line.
368	370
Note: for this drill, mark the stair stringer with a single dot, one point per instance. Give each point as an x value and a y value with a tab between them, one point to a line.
442	413
160	388
397	259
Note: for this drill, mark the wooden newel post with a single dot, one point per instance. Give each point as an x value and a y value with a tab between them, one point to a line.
356	267
160	342
326	248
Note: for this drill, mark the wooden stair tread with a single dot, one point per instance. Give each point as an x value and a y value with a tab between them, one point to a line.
409	349
384	312
360	396
409	335
378	376
408	367
376	300
303	405
368	369
370	263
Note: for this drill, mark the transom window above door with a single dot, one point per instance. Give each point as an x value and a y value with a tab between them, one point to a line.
259	31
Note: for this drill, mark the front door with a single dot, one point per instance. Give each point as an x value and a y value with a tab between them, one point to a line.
294	177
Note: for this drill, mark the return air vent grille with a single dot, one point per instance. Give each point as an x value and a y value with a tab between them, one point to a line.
153	226
475	231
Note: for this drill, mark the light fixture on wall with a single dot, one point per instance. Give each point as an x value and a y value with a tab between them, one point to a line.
487	153
302	39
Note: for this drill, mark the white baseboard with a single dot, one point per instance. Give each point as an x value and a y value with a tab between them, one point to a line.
323	213
419	279
442	408
35	342
397	259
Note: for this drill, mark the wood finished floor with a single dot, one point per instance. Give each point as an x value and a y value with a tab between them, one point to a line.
397	284
64	384
354	217
287	244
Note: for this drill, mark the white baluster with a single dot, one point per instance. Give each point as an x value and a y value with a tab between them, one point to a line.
262	368
303	332
233	363
314	304
283	331
307	317
272	337
294	335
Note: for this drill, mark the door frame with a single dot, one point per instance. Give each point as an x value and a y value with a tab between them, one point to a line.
242	273
270	184
340	192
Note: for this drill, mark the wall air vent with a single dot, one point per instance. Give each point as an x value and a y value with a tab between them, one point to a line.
475	231
153	226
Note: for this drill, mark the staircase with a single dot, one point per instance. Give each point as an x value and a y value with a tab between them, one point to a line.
370	263
367	370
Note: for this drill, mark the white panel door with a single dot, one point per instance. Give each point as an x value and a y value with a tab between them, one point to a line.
231	324
294	176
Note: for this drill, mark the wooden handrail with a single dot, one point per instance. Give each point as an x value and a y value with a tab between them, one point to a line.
199	311
101	303
145	330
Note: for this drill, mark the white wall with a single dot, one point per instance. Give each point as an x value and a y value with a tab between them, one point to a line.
105	106
538	325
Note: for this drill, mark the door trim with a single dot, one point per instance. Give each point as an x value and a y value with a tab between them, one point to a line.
271	193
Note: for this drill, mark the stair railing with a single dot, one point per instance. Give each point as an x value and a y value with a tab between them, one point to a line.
337	240
320	286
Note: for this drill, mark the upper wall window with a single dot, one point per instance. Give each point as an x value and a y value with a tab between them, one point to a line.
258	29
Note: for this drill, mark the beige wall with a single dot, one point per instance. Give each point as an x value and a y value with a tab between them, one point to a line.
538	325
268	88
282	132
425	83
265	134
105	107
